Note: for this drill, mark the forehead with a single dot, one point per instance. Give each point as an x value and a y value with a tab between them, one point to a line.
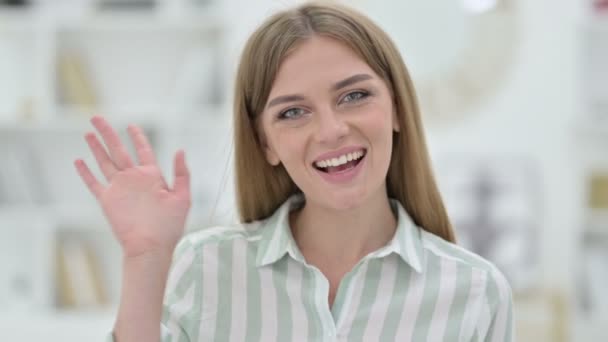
315	61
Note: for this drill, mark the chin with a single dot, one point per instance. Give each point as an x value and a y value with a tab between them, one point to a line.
345	200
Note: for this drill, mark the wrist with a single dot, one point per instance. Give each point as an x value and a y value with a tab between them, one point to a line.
156	257
140	249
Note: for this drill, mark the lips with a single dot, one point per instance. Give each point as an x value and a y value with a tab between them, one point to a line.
343	174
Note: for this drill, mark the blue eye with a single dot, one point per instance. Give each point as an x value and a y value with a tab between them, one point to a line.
290	113
355	96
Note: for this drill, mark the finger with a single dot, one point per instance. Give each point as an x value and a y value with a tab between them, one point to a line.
145	154
107	166
89	179
118	152
181	184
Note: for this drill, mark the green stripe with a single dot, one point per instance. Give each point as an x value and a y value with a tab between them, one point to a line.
309	293
395	311
368	297
224	286
493	295
254	295
182	285
461	295
508	336
429	299
284	318
340	299
193	325
314	286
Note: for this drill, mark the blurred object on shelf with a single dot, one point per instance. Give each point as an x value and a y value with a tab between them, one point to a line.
79	278
27	110
542	315
15	3
594	73
592	280
184	8
494	204
16	263
126	4
598	190
21	177
74	82
200	3
23	256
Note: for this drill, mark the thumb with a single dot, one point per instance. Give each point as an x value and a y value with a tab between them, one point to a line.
181	183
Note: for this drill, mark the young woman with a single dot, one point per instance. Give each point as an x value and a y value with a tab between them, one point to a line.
344	236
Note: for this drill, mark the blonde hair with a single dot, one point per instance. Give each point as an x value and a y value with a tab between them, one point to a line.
260	187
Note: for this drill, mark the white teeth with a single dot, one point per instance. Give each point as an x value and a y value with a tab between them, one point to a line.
343	159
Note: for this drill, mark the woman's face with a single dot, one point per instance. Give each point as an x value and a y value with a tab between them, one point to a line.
326	107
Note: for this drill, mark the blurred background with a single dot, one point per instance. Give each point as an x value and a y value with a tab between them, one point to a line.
515	101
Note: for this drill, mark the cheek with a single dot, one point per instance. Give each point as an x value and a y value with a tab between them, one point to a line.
379	125
288	146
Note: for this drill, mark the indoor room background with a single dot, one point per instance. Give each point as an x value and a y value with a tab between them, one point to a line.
514	96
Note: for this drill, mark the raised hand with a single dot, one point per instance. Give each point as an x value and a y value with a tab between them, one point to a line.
145	214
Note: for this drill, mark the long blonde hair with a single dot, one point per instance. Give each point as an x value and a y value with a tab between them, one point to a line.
260	187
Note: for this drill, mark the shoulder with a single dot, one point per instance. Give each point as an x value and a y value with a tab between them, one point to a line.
196	241
213	245
490	280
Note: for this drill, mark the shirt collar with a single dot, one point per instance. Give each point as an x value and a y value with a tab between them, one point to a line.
276	236
277	239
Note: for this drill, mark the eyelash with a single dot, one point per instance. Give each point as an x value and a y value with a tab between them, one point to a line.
363	96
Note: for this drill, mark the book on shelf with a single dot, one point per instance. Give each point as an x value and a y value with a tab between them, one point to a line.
598	190
79	279
75	84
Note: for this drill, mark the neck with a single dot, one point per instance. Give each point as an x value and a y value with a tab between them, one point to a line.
343	237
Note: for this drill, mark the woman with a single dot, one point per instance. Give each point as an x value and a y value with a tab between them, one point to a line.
344	235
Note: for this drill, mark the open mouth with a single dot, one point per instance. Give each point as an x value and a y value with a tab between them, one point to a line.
342	167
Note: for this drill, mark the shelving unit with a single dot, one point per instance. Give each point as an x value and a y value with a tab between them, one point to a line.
591	137
160	68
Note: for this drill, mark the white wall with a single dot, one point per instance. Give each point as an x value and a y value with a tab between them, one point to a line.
531	115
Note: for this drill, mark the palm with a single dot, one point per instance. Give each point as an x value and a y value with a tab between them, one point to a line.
144	213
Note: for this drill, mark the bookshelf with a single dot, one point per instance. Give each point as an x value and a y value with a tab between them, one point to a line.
591	139
160	66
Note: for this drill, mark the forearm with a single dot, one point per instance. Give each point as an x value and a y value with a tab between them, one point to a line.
143	287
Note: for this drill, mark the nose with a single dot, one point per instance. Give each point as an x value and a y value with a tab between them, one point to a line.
331	127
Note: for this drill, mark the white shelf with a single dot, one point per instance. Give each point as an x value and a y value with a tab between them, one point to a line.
597	223
597	23
161	70
16	22
590	329
65	327
74	119
143	22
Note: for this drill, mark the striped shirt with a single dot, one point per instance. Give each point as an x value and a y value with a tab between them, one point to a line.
249	282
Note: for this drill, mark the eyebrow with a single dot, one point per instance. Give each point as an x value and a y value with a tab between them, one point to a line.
337	86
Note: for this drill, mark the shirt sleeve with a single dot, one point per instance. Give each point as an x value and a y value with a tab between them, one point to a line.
498	309
181	303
